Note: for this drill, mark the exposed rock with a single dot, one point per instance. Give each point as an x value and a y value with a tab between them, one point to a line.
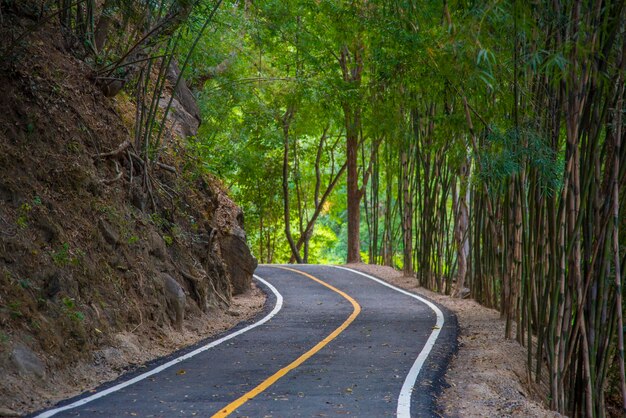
185	124
156	245
184	111
183	93
462	293
27	362
199	289
108	233
240	264
175	296
232	312
217	290
138	198
128	343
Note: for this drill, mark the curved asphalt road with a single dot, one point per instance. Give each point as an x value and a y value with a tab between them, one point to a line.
332	343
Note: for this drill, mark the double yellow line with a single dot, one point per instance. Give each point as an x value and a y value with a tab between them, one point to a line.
231	407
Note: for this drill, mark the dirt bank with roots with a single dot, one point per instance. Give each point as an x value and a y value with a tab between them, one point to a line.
98	272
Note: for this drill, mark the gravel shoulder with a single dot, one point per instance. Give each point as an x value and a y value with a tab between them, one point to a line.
487	377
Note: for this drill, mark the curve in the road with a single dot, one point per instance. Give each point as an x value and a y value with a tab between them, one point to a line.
143	376
230	408
360	365
404	399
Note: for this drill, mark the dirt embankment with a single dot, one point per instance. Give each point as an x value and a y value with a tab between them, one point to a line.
487	377
97	274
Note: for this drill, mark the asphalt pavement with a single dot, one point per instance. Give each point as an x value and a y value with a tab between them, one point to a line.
331	342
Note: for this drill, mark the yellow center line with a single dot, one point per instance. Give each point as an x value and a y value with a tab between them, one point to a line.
231	407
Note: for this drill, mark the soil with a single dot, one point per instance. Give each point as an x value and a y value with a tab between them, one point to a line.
96	253
129	350
487	377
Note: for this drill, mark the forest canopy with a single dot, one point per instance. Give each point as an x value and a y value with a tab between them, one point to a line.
475	145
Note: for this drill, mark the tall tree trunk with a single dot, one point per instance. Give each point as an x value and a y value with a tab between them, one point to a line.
461	231
616	259
374	211
351	63
407	213
286	121
354	197
387	235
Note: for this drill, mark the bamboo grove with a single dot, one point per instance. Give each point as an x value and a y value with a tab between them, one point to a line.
537	202
553	236
476	145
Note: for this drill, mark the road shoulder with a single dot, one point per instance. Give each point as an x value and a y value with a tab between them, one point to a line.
245	309
487	375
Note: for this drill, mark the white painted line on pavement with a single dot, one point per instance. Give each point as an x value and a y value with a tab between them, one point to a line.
404	400
83	401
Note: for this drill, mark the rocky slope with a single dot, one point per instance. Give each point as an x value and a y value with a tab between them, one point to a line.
95	272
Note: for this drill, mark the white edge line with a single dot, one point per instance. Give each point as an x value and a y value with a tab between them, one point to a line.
404	399
83	401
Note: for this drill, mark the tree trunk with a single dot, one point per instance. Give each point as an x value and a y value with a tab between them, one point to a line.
461	233
286	120
354	197
407	213
352	66
101	32
616	259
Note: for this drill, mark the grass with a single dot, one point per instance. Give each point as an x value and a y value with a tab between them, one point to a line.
64	256
15	309
69	307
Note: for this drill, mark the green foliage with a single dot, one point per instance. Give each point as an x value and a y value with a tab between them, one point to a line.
70	309
157	220
65	256
15	309
22	217
505	153
25	284
61	257
169	240
267	57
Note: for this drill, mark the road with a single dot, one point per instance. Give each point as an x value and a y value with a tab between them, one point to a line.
331	342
